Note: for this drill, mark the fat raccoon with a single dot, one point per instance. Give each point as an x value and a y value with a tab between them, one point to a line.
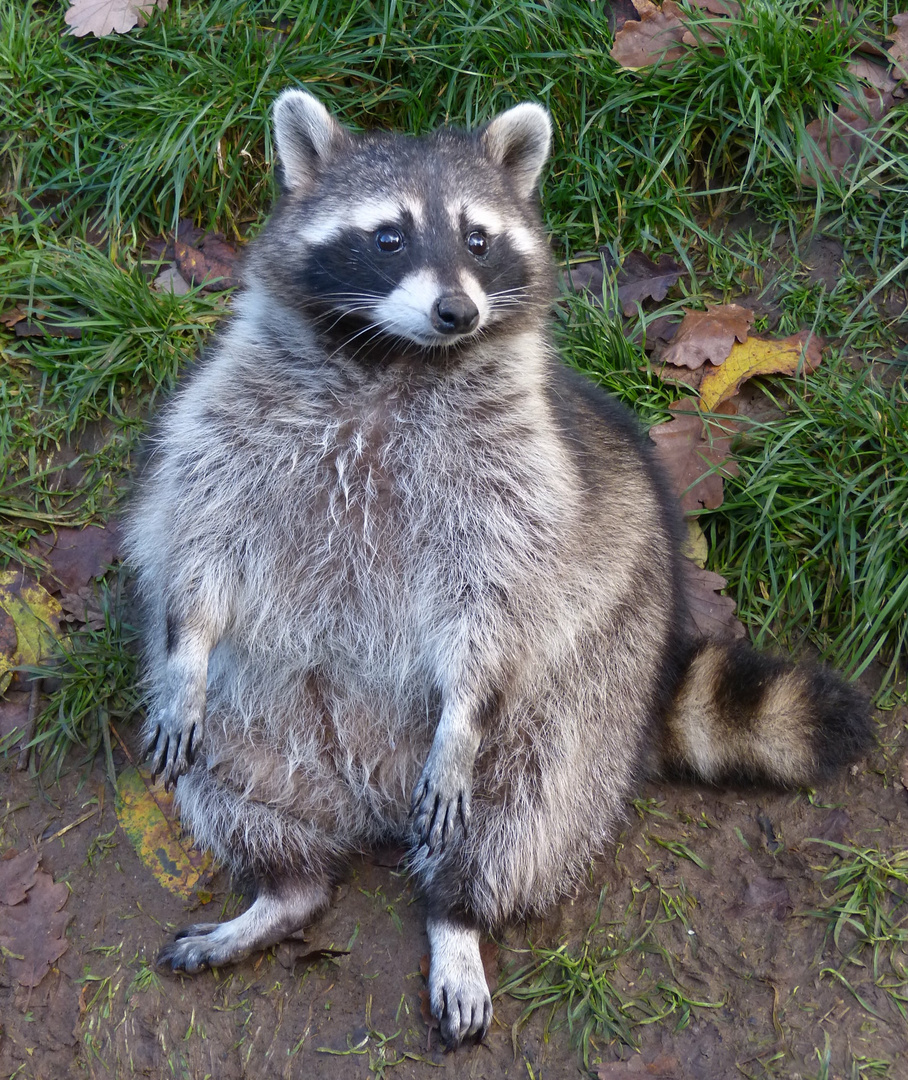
410	578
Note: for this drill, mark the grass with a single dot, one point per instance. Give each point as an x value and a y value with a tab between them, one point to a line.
619	978
867	919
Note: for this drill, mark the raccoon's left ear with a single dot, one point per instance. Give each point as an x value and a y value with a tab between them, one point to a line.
519	140
307	136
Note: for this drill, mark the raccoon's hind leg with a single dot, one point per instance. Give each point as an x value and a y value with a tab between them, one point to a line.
738	713
458	993
289	857
280	909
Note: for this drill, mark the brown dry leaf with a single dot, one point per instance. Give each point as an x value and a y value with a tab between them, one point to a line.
17	875
11	316
638	278
210	263
26	328
719	7
877	75
78	556
840	138
708	335
102	17
713	615
695	455
759	356
656	39
32	929
82	606
898	50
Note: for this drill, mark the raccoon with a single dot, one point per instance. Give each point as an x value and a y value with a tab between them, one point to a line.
410	578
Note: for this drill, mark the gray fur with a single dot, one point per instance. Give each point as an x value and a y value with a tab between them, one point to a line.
398	589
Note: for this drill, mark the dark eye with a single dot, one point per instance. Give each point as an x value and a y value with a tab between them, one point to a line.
389	240
477	243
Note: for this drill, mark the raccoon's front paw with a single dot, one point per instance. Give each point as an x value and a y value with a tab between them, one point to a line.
172	749
441	806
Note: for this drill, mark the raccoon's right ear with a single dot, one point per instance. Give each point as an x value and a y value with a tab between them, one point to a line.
307	136
519	140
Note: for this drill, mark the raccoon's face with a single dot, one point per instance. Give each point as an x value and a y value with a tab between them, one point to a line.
426	242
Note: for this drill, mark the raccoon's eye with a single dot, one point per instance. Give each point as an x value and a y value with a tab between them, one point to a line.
389	240
477	243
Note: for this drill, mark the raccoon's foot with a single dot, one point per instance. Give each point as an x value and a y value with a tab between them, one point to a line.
441	804
273	916
458	992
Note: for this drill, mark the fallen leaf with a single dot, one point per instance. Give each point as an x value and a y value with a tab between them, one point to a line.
77	556
210	263
713	615
656	39
759	356
708	335
171	280
146	815
36	616
695	455
17	875
694	546
877	75
642	279
28	328
637	279
767	894
102	17
898	50
32	925
82	606
11	316
841	139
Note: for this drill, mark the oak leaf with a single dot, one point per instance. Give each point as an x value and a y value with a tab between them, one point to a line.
32	924
694	453
655	39
759	356
713	615
708	335
102	17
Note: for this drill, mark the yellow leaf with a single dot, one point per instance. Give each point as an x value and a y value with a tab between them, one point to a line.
695	546
757	356
36	616
146	814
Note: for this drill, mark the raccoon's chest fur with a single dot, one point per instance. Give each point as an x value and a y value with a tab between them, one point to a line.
359	535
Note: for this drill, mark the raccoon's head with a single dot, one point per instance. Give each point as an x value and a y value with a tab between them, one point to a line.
392	243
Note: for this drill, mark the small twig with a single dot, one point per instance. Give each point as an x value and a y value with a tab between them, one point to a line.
72	825
29	732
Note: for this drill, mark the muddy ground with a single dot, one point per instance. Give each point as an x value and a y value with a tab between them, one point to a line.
734	933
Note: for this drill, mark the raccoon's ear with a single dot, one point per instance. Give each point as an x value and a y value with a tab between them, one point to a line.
519	140
306	136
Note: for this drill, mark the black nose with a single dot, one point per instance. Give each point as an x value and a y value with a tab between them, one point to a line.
455	314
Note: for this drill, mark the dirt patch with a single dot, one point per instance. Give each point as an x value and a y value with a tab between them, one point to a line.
704	935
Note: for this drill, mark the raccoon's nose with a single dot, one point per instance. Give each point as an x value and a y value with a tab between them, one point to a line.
455	314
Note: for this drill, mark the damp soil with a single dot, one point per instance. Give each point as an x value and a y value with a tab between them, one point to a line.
708	896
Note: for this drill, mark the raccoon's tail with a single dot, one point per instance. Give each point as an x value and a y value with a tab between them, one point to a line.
739	714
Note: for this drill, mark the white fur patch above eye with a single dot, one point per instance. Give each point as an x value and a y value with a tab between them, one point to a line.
367	215
486	219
